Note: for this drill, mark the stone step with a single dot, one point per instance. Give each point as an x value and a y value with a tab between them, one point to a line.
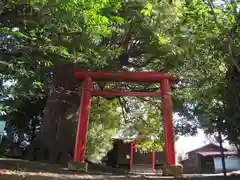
143	168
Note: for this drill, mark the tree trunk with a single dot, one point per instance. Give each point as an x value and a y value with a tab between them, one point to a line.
222	153
58	128
238	148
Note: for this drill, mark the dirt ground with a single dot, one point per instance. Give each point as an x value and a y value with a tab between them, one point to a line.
14	169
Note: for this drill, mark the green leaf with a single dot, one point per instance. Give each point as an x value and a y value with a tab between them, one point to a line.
149	6
18	34
38	84
163	39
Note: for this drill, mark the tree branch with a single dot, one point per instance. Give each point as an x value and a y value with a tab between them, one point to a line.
230	40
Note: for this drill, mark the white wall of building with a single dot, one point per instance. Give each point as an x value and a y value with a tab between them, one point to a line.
2	127
232	163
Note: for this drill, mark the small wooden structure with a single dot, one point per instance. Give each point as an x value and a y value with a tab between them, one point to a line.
125	155
207	159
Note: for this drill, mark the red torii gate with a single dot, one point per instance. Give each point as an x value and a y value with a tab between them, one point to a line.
146	77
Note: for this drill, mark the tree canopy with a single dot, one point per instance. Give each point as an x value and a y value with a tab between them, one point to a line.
44	41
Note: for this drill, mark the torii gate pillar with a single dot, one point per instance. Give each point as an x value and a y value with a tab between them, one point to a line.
168	122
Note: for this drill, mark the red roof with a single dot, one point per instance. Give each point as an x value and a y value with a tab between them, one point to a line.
216	153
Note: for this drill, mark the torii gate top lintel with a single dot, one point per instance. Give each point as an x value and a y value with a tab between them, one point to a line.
125	76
